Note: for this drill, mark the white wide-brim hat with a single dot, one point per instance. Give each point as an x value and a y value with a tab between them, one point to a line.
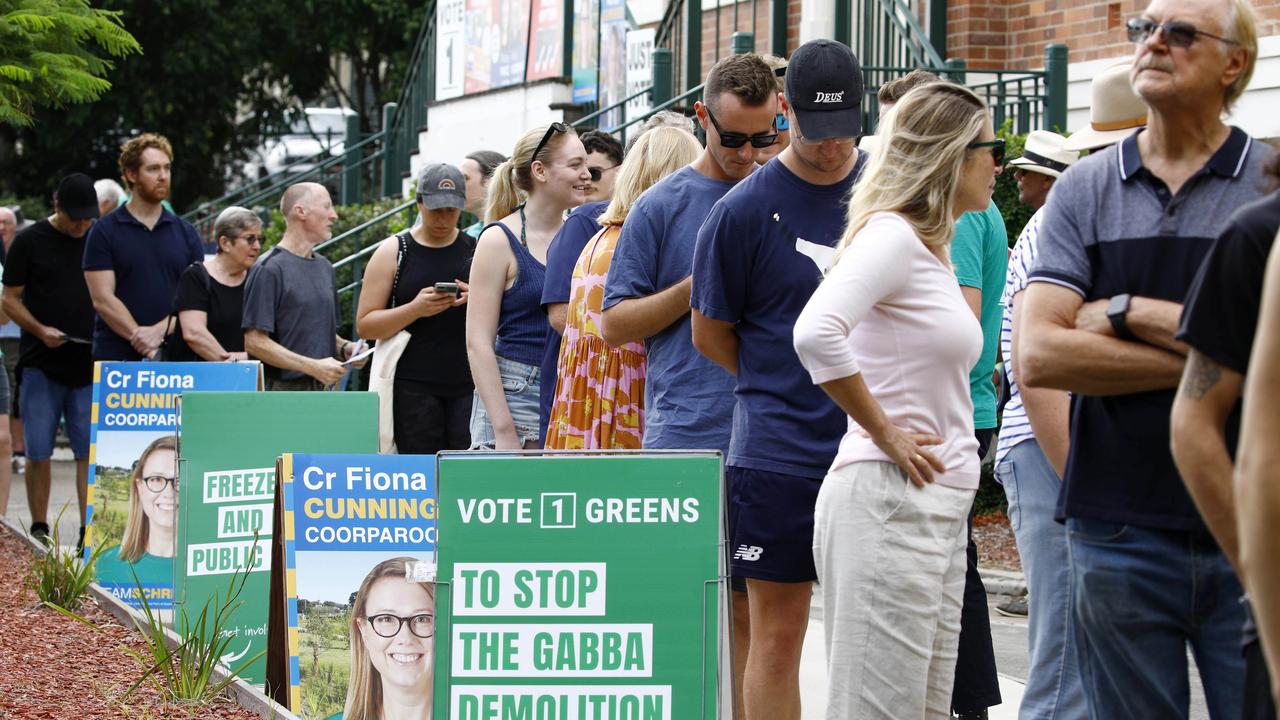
1045	153
1114	113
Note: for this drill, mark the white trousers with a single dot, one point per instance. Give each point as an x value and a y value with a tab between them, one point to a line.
891	564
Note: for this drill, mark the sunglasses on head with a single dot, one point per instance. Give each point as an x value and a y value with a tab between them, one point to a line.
552	129
996	146
733	140
1176	33
598	172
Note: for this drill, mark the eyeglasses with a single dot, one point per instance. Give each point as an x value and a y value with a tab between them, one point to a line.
996	146
555	127
780	121
598	172
156	483
838	141
733	140
1176	33
388	625
253	239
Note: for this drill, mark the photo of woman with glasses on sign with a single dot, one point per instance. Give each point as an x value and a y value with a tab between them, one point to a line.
210	295
392	624
147	545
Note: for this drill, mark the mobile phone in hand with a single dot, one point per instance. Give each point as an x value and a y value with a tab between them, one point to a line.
448	288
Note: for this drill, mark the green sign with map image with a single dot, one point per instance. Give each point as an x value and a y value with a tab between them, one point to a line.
228	444
579	587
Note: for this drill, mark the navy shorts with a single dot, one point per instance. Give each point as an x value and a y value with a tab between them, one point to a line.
771	525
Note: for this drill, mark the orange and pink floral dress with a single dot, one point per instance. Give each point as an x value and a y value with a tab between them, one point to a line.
599	402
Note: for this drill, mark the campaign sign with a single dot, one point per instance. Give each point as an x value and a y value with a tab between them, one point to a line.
586	50
133	479
579	587
359	543
228	446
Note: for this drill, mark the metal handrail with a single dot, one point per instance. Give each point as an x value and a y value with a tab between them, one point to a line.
320	167
583	120
911	33
655	110
415	62
226	198
358	229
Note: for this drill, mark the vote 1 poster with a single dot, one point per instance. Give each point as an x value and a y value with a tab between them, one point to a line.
579	587
451	17
133	480
359	540
228	444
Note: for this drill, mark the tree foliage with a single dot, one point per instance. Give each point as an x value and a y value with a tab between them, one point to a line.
216	78
49	54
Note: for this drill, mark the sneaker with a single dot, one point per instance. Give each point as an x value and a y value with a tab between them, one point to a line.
40	531
1013	607
20	464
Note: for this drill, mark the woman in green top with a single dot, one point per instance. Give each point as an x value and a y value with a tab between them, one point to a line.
150	530
392	661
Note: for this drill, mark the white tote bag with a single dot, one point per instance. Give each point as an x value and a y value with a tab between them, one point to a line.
386	355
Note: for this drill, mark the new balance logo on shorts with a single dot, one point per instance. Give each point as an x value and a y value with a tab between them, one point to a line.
750	553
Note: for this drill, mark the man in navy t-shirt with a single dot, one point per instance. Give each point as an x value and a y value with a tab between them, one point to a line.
760	256
688	400
134	256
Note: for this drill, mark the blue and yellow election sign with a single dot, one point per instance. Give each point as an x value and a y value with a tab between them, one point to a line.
133	480
359	546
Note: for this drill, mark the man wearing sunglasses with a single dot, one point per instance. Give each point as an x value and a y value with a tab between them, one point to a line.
760	256
1122	236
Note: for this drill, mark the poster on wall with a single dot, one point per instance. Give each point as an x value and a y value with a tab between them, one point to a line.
133	479
586	50
546	44
227	447
497	38
613	59
356	585
579	587
451	17
639	72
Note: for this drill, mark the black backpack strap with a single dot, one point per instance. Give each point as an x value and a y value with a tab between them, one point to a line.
401	252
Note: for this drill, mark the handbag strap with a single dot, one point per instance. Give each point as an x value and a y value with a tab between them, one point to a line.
401	252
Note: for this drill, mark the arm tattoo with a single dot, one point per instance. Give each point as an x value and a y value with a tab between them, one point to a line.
1201	376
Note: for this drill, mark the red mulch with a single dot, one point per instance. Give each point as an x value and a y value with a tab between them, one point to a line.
54	667
994	537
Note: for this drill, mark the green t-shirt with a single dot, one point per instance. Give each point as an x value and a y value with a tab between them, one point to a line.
980	253
151	570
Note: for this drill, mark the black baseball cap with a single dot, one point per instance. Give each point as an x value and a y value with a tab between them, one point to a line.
76	197
824	87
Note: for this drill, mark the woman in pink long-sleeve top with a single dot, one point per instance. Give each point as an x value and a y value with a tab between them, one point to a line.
889	337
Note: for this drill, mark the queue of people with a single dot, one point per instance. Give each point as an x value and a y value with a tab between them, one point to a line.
827	309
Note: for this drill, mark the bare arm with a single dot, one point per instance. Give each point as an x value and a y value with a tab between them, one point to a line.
195	330
145	339
717	340
490	269
638	318
1152	321
1205	398
1056	354
1048	411
1256	489
14	307
558	316
259	344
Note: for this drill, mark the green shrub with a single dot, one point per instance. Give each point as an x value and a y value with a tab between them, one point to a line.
33	208
61	576
1015	213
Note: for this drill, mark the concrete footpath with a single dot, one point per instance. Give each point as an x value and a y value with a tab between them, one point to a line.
1009	634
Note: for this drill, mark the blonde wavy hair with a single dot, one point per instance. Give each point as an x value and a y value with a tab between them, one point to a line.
1243	28
916	167
137	529
656	154
364	686
512	181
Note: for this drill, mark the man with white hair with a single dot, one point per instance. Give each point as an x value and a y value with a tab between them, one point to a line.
1121	239
109	195
290	299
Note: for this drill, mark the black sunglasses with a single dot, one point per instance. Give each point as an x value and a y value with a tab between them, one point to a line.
598	172
734	140
997	149
1176	33
552	129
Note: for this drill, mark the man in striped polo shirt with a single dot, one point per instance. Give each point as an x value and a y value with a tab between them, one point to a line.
1122	237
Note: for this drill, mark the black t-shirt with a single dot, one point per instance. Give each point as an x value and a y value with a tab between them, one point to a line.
223	305
1220	315
46	265
436	355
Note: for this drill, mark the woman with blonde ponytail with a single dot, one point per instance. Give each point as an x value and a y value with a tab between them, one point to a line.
506	327
890	338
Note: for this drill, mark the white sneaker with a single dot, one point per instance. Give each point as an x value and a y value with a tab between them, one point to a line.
20	463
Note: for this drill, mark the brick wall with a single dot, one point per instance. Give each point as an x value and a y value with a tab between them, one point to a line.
1013	33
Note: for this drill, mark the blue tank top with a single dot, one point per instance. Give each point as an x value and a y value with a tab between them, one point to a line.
522	325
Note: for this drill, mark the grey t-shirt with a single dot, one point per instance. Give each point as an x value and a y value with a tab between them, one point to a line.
294	300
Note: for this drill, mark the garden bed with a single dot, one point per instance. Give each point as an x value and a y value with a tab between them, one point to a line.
996	546
52	666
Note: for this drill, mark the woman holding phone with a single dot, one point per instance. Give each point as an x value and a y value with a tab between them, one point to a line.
417	281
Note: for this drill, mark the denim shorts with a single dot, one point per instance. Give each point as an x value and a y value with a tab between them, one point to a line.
44	403
520	385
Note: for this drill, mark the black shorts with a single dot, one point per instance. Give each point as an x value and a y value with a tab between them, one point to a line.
771	525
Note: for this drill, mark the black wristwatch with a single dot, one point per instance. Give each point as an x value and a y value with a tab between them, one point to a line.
1118	314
